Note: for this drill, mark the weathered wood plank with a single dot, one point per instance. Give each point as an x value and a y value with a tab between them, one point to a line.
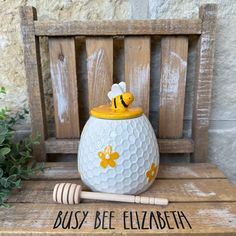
137	70
179	190
64	83
175	145
197	218
165	145
100	69
68	170
124	27
176	190
174	53
203	82
34	79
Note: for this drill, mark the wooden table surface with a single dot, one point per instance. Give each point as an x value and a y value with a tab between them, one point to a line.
202	202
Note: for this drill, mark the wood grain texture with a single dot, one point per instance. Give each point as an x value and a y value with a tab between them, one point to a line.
34	79
68	170
100	69
64	83
123	27
165	145
174	53
175	190
204	218
203	82
137	70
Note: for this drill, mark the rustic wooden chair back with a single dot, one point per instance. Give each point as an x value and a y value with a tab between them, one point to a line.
137	53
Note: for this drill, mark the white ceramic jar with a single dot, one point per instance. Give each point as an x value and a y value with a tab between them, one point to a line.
118	153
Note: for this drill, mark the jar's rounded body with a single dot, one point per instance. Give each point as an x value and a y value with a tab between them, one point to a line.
118	156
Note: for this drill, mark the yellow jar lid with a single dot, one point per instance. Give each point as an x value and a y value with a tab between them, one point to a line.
107	112
120	105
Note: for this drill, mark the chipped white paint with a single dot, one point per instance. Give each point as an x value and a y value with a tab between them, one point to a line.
221	217
139	73
171	75
206	42
98	69
96	65
179	170
183	63
59	79
193	189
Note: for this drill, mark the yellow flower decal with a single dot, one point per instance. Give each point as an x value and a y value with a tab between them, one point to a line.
151	173
108	157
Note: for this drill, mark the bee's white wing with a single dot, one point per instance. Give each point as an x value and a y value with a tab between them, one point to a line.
123	86
115	91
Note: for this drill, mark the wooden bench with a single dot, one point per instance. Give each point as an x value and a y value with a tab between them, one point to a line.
202	200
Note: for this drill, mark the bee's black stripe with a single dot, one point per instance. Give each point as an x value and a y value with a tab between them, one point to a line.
123	102
115	102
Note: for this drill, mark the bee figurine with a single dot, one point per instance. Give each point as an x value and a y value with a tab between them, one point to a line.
120	99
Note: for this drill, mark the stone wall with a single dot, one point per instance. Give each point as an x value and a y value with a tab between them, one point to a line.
222	145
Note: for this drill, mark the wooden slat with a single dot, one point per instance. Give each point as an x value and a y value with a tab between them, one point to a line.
69	170
203	82
64	82
174	53
204	219
137	70
183	190
175	145
165	145
125	27
100	69
34	79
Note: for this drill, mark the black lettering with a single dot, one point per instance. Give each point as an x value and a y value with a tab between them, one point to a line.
131	220
162	222
183	216
124	218
57	224
64	225
85	214
167	221
105	215
153	218
137	219
144	217
97	221
173	212
76	220
110	219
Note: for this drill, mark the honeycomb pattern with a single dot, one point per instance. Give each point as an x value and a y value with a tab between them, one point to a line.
133	139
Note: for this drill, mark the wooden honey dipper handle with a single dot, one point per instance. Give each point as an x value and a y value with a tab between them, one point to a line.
68	193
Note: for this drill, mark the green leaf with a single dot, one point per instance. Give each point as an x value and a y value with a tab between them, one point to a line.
13	170
41	166
3	130
18	183
16	162
12	178
4	183
2	138
2	90
2	159
5	205
4	151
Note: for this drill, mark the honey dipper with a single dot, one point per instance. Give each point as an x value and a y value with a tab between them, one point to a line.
68	193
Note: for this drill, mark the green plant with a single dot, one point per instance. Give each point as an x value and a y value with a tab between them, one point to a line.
16	162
